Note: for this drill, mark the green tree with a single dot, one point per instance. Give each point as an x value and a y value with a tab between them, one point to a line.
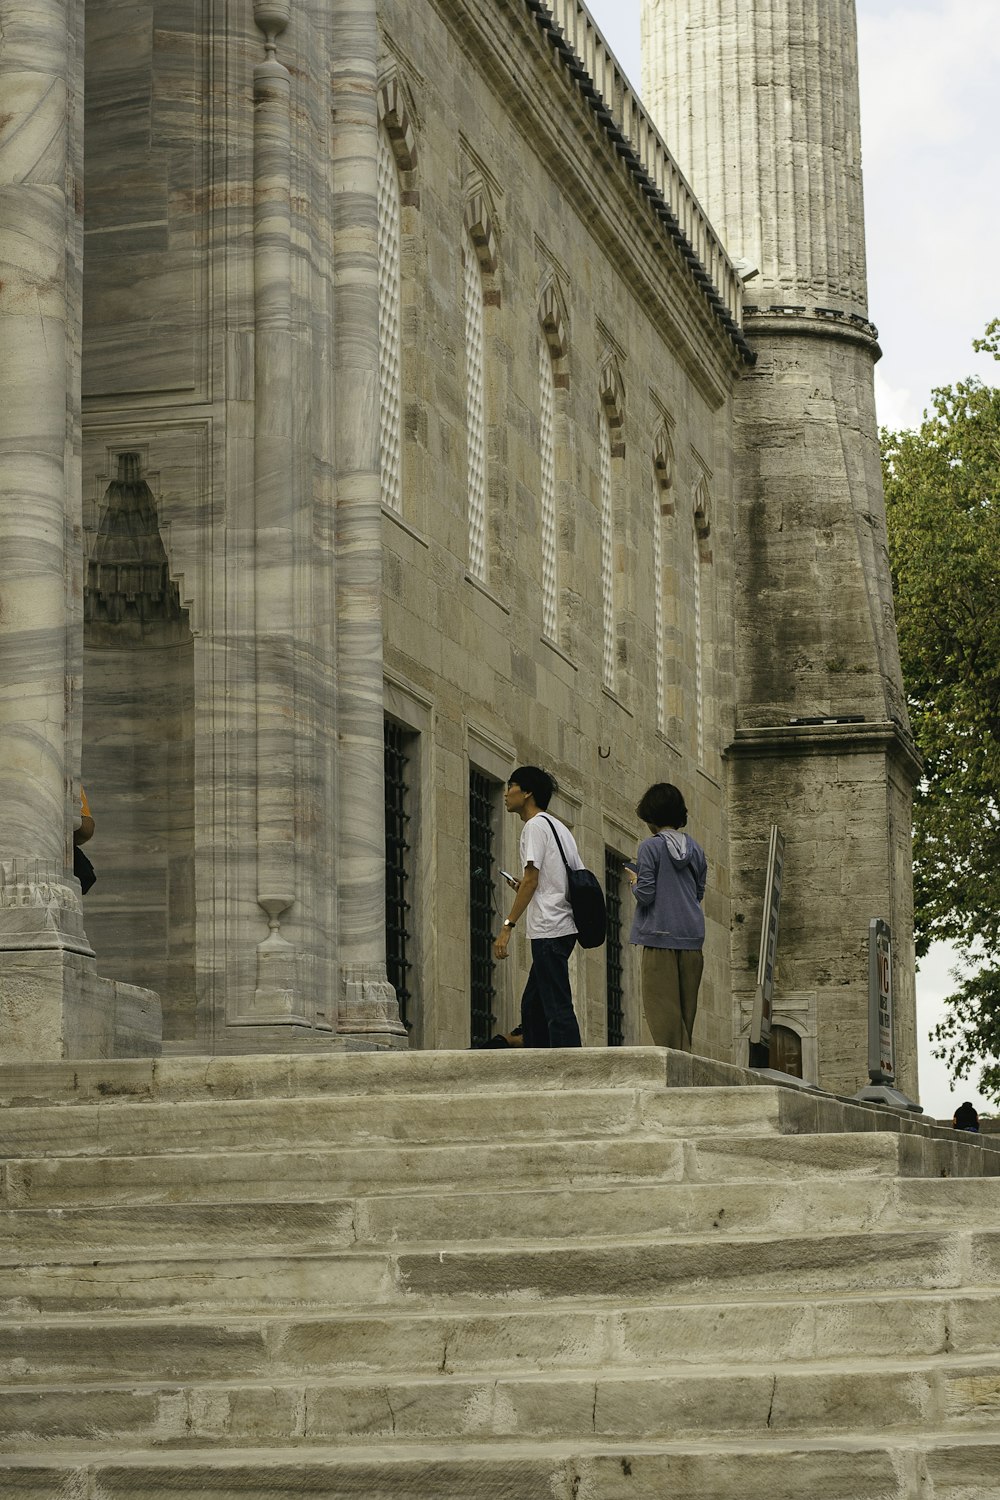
942	486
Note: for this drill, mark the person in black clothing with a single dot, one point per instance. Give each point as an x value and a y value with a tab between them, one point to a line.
966	1118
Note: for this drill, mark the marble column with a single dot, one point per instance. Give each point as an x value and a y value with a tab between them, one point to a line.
276	997
367	1000
41	926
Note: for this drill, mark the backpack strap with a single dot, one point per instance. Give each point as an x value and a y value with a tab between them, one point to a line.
557	839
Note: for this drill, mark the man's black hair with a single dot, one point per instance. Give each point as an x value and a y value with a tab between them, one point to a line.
663	806
537	782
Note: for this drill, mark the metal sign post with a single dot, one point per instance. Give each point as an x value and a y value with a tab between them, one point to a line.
760	1024
881	1042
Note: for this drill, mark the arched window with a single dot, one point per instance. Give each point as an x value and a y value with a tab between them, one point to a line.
610	447
704	613
397	190
475	406
553	377
663	478
547	455
479	264
389	326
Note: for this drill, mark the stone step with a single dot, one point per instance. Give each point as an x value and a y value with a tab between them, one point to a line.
56	1086
266	1175
948	1394
368	1074
558	1335
341	1171
733	1157
221	1125
646	1269
509	1215
870	1466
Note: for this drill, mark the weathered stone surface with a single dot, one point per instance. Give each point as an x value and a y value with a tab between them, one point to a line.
568	1303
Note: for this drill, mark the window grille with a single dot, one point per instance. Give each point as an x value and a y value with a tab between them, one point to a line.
607	552
397	878
614	950
475	410
482	800
389	326
547	445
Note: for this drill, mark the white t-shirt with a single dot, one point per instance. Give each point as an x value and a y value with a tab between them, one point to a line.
549	913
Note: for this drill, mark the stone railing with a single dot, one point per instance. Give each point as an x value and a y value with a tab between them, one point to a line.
630	118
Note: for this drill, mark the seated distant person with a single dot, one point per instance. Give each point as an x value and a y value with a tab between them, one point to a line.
966	1118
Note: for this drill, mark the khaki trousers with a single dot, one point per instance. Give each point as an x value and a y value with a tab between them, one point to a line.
670	980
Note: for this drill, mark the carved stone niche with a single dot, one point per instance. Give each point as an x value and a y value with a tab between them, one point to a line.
138	752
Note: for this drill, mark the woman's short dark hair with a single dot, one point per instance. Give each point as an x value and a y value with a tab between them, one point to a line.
537	782
663	806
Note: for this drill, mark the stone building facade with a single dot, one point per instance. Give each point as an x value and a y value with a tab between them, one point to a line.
408	423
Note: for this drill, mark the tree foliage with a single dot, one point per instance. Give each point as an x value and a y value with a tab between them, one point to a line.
942	487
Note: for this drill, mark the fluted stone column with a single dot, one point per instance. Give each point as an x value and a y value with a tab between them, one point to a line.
367	1001
759	104
758	100
41	925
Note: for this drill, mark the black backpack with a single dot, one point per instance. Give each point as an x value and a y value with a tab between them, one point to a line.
590	912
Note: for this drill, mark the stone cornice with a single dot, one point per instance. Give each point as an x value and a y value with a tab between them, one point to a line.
827	737
650	261
811	322
646	158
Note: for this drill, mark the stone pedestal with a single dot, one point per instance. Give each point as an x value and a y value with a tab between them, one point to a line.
54	1005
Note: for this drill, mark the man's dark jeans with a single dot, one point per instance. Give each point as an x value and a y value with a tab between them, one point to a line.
547	1015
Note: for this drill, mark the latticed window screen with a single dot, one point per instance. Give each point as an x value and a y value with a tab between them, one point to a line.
482	800
475	410
397	878
661	706
607	552
614	952
547	444
389	327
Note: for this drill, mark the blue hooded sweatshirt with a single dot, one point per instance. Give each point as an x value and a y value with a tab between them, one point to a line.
668	892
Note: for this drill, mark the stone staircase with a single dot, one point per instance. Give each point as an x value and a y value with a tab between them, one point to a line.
520	1275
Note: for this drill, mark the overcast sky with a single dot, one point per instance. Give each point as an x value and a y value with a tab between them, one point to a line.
931	158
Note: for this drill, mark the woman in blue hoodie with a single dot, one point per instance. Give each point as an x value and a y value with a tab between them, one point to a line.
668	883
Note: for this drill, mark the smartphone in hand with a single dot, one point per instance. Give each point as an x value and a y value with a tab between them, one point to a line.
630	864
511	880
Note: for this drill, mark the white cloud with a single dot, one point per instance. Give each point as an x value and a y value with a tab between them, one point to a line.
895	406
928	76
940	1095
931	154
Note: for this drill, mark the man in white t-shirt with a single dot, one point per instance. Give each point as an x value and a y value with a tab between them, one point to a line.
547	1015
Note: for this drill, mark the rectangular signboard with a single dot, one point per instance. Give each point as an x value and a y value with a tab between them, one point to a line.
760	1025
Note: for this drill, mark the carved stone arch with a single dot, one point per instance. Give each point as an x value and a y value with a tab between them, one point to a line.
613	400
554	319
663	468
480	223
397	116
703	518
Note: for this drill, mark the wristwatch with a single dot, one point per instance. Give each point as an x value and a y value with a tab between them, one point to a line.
508	923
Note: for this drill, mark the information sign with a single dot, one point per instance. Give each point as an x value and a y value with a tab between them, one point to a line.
760	1025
